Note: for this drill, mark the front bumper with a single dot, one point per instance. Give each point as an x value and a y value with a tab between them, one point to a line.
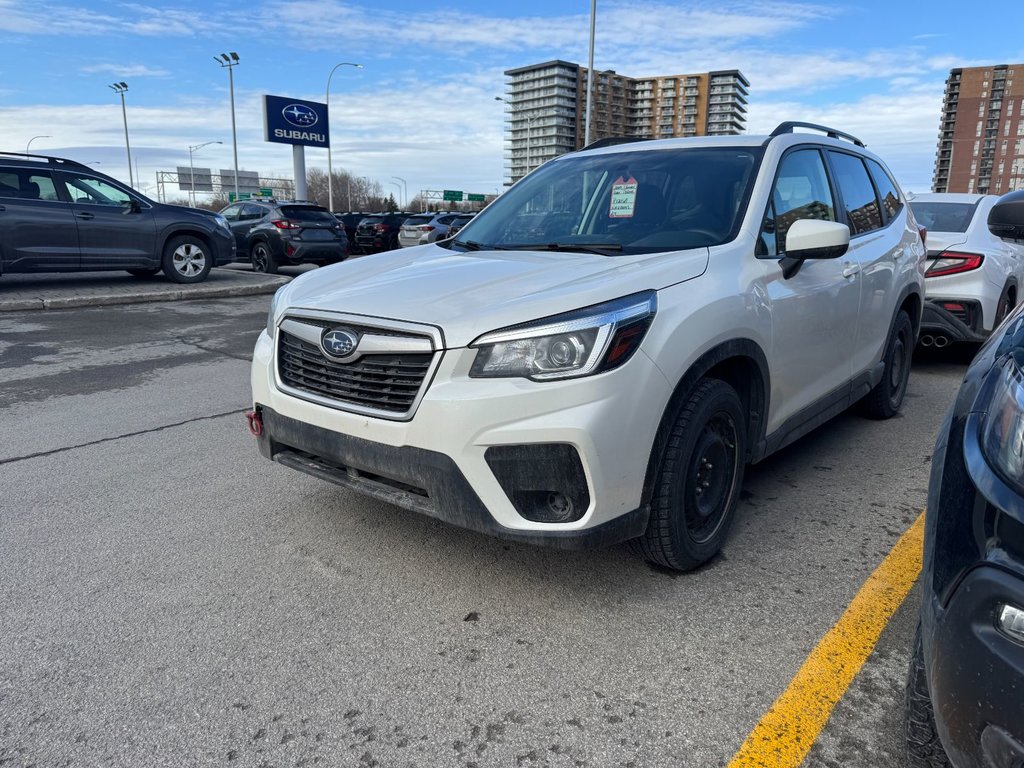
225	250
438	463
976	673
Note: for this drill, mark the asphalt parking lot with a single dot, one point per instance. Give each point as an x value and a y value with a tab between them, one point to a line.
170	598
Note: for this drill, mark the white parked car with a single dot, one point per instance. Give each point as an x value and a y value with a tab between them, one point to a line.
424	228
973	278
598	354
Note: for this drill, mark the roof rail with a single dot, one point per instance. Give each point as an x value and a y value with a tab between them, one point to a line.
832	133
54	161
611	141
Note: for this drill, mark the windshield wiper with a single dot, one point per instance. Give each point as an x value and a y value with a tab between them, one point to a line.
472	245
602	249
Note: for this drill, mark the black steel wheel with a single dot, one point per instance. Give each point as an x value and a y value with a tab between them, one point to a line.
886	399
698	479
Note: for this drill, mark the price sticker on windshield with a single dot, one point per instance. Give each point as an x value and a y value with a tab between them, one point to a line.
623	203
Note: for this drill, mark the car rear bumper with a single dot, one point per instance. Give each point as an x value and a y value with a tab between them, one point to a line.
938	322
298	252
976	672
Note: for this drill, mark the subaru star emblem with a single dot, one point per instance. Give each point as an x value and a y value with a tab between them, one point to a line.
339	342
300	115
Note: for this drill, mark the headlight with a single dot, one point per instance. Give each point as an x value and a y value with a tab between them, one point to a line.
271	315
1002	427
578	343
221	222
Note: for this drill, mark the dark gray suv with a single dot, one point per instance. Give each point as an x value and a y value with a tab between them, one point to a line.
57	215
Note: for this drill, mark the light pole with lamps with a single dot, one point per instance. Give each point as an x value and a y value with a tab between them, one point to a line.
120	88
405	193
590	75
397	186
529	127
330	165
27	146
229	61
192	169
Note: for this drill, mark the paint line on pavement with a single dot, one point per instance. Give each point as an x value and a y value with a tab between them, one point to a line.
789	729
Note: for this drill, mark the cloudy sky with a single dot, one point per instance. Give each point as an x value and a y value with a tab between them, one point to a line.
423	106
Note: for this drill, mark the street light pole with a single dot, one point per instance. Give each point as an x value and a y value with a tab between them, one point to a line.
192	170
590	75
27	146
230	61
330	165
405	193
120	88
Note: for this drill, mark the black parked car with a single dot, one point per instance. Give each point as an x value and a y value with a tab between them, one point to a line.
57	215
273	233
379	231
351	219
965	689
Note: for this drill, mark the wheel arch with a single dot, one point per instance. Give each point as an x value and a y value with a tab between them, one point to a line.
912	303
190	231
743	365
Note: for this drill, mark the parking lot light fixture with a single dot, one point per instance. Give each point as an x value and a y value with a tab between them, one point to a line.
229	61
27	146
192	170
121	88
330	164
405	191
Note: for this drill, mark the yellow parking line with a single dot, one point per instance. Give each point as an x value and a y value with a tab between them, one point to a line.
788	730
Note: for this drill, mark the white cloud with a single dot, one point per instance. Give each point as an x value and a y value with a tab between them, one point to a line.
125	70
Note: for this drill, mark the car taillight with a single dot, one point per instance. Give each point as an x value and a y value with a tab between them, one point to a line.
381	227
953	263
285	224
426	228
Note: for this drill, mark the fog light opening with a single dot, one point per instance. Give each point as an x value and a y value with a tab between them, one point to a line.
560	506
1011	622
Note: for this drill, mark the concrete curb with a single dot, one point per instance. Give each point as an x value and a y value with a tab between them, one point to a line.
253	285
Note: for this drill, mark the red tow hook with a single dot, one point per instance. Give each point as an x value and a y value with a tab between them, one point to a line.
255	422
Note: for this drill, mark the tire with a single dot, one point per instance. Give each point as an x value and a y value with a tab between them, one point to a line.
698	481
143	272
924	750
1006	305
886	399
186	259
263	258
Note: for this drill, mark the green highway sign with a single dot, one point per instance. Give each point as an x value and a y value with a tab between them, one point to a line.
241	196
266	192
475	198
454	195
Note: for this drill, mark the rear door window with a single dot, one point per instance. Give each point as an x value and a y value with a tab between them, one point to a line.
858	193
28	185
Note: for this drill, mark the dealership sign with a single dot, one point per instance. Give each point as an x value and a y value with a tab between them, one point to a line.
294	121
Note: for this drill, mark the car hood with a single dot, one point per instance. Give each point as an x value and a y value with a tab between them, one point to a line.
468	294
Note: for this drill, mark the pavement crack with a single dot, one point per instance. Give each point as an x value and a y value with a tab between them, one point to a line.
215	351
64	449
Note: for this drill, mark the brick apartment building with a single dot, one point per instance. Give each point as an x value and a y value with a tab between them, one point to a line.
981	133
547	105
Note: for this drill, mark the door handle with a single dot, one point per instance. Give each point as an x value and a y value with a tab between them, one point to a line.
3	208
85	215
851	270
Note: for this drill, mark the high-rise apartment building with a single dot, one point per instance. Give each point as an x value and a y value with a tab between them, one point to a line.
981	134
547	106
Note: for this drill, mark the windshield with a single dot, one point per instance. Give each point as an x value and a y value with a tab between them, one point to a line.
626	202
944	217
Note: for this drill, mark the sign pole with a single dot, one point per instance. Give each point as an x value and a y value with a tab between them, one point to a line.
299	169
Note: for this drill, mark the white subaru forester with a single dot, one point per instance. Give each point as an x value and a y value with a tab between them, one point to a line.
597	356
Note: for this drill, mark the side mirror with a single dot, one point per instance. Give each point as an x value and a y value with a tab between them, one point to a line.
132	206
1006	219
815	239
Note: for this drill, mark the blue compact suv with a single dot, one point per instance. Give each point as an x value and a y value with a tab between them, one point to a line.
57	215
965	688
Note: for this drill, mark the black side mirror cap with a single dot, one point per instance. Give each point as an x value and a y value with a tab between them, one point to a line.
132	206
1006	219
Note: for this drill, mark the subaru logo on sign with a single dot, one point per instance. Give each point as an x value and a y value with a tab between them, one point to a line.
339	342
300	115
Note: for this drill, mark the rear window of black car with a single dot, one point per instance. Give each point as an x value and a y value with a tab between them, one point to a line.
943	217
307	213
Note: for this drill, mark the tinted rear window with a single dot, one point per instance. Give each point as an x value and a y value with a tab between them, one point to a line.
944	217
307	213
415	221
